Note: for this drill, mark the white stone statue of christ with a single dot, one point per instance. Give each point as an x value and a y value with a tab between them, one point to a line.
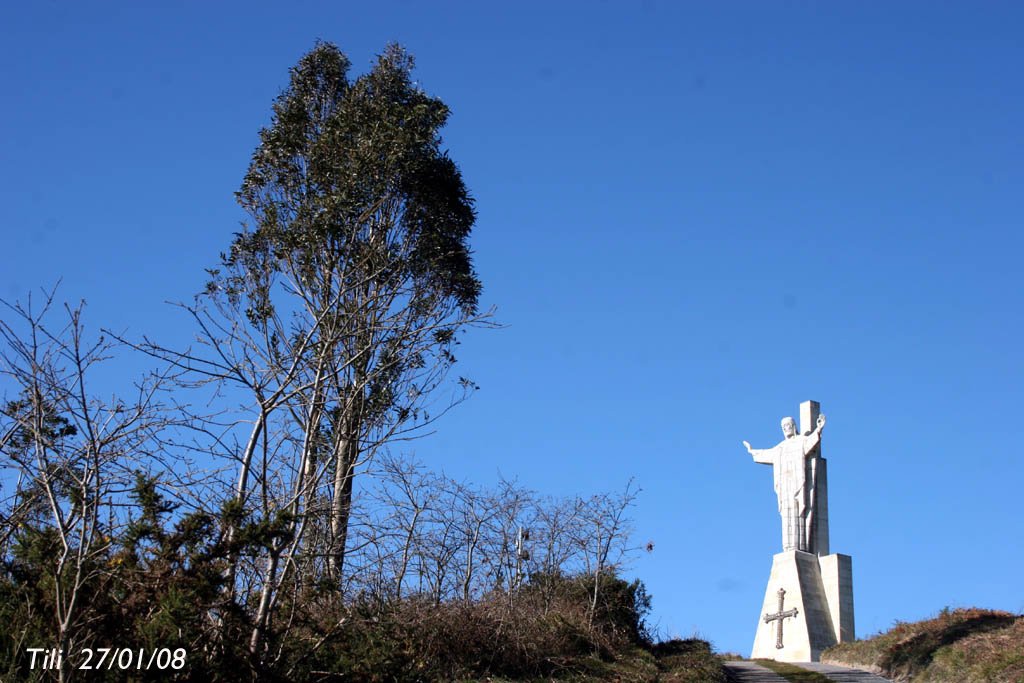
789	465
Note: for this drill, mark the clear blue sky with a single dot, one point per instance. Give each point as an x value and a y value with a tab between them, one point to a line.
692	216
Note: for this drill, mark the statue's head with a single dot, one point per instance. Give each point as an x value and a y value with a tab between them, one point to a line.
788	426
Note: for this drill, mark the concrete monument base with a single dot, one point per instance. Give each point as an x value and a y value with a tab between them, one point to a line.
808	607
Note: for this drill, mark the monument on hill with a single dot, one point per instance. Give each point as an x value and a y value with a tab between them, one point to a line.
808	603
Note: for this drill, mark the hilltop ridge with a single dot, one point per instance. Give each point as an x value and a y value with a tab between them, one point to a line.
963	645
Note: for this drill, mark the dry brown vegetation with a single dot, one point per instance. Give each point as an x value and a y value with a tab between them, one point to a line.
539	637
963	645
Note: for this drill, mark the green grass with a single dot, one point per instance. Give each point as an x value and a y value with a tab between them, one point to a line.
792	672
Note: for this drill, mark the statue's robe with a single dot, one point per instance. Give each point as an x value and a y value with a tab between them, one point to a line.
794	487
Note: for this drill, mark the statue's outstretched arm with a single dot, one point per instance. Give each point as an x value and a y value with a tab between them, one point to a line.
814	437
761	455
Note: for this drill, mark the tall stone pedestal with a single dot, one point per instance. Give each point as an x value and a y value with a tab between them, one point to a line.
808	607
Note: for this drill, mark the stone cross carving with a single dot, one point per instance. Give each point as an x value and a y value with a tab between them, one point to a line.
779	616
794	480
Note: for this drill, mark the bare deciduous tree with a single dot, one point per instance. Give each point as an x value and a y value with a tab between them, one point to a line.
602	535
69	459
465	542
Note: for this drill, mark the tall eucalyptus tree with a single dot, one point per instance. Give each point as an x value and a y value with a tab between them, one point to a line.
346	293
